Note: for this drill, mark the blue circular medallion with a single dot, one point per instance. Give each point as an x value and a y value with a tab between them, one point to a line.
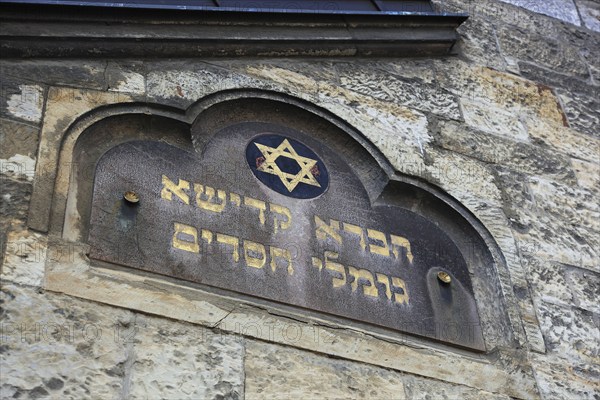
287	166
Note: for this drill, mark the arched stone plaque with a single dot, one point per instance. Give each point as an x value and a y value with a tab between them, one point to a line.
269	211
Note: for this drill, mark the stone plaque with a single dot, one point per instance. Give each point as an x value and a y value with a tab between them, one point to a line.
273	213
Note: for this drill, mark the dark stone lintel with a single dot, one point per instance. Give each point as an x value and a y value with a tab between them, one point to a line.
34	30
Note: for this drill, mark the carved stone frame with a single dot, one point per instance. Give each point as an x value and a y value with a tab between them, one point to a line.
58	186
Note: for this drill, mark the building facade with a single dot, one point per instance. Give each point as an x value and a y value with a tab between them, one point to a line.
451	156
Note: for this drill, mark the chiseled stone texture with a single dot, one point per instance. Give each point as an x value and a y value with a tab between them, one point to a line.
518	156
55	346
411	92
564	10
583	112
59	347
590	13
276	372
558	379
183	361
25	256
551	220
418	388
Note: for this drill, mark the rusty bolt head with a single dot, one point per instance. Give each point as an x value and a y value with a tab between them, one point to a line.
444	277
131	197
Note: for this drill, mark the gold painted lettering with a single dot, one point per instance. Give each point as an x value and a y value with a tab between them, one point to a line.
365	278
335	267
317	263
170	188
281	210
209	193
235	199
178	243
357	230
381	278
258	204
399	241
379	236
332	230
254	254
232	241
207	235
276	252
401	298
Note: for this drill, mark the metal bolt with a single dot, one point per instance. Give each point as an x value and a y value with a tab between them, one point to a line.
131	197
444	277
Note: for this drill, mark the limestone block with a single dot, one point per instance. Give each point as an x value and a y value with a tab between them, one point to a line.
554	79
87	74
501	95
570	333
588	175
531	46
25	257
517	156
583	112
410	92
585	286
563	139
55	346
590	13
181	361
17	138
418	388
274	371
548	280
477	41
126	77
559	380
553	221
483	115
21	100
564	10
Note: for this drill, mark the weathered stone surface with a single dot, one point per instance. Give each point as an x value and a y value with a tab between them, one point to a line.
583	112
518	156
14	202
504	14
75	73
24	257
565	140
585	286
21	100
126	77
551	220
590	13
498	93
554	79
548	280
588	174
558	379
182	361
56	346
570	333
564	10
418	388
477	41
554	54
410	92
274	371
17	138
406	68
485	116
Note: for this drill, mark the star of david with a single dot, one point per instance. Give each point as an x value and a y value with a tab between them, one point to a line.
285	149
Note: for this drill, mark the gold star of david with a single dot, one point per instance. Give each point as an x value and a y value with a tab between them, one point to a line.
285	149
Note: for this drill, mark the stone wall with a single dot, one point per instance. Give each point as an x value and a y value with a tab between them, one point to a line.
508	127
